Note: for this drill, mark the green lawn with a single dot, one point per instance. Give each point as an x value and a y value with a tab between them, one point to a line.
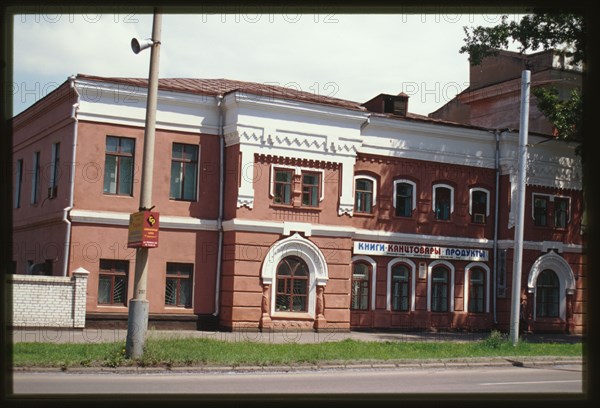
187	352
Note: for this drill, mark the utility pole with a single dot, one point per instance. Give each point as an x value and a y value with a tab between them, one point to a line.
137	324
520	210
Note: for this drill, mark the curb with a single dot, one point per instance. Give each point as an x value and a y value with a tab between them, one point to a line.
378	365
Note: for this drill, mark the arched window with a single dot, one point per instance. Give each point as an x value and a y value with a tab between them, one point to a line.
360	286
443	197
400	288
363	195
547	294
292	285
404	198
476	291
439	289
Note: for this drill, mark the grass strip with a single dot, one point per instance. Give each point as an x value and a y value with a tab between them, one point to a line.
188	352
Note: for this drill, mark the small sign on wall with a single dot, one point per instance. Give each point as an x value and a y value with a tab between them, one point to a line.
422	270
143	230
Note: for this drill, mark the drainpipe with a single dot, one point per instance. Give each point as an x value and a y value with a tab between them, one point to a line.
68	209
496	205
221	203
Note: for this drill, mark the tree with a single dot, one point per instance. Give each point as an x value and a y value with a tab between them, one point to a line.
563	32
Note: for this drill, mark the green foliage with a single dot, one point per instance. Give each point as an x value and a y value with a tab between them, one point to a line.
494	341
564	32
566	115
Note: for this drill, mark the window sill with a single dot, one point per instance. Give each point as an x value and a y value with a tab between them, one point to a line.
292	315
364	215
291	207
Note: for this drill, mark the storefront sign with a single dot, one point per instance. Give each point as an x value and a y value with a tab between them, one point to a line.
420	251
143	230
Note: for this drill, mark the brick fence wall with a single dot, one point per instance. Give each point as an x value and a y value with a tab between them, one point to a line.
48	301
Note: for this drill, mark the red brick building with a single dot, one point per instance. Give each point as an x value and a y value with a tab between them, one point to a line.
285	209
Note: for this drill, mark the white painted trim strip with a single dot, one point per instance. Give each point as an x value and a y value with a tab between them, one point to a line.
166	221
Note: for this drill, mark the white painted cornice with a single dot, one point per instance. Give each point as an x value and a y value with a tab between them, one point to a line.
120	218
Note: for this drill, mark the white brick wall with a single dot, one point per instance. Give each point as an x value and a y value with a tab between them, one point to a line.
48	301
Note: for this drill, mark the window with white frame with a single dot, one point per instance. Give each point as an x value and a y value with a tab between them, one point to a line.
184	172
365	193
561	212
400	287
540	210
477	290
282	186
440	288
479	205
405	197
443	201
361	272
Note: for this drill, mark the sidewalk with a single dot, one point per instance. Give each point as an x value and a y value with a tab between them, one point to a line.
289	336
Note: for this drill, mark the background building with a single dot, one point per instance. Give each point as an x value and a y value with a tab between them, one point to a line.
333	214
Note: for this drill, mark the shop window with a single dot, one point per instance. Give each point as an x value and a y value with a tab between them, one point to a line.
540	210
118	165
178	286
360	286
283	186
184	172
479	206
439	289
363	195
112	282
404	198
547	292
443	196
311	183
476	291
400	288
561	212
292	285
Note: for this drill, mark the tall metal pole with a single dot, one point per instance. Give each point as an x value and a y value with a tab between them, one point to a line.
520	210
137	324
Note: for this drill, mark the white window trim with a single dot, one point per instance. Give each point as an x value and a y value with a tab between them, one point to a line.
451	294
373	279
466	281
413	272
487	201
297	171
370	178
414	192
435	186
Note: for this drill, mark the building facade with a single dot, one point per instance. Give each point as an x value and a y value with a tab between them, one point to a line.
282	209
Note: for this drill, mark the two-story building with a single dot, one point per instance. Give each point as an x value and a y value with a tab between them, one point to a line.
283	209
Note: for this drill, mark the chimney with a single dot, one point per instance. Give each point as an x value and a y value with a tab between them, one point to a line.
385	103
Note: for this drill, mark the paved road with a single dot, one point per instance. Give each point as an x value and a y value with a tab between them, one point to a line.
530	380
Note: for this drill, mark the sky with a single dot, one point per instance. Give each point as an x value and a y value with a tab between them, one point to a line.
347	56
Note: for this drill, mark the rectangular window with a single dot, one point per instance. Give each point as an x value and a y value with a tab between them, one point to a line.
310	189
363	195
443	197
112	282
404	199
479	200
540	211
18	182
118	165
561	212
476	291
184	172
36	178
282	193
439	290
178	287
53	187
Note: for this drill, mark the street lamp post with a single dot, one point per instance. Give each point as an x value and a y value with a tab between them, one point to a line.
520	210
137	324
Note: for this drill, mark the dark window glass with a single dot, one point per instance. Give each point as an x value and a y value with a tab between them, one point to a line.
443	196
292	285
184	172
178	287
561	212
476	291
439	289
310	189
479	207
547	294
363	196
404	199
118	165
540	211
112	283
400	288
283	187
360	286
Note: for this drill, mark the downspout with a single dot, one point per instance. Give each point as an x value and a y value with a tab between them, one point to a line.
221	203
67	210
497	133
